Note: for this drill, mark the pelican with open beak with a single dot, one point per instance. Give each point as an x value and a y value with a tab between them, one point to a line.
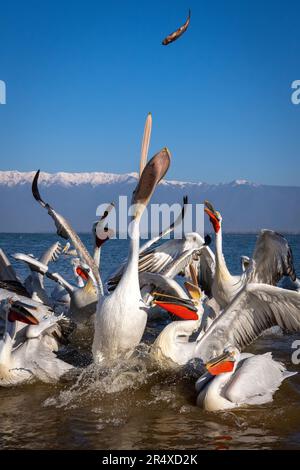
121	316
10	372
173	347
35	357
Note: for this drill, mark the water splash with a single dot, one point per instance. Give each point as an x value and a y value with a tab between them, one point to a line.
98	381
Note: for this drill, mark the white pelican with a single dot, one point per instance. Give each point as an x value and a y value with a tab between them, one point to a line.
65	230
83	300
161	255
34	283
33	358
80	302
254	310
121	316
234	379
272	259
172	347
164	283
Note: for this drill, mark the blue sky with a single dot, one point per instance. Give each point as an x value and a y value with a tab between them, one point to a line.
82	75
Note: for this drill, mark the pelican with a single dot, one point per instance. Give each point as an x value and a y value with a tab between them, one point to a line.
34	283
34	358
65	230
254	310
80	301
83	300
172	347
9	280
7	272
234	379
272	259
121	316
157	259
37	308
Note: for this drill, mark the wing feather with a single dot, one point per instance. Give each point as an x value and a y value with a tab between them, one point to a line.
272	258
255	309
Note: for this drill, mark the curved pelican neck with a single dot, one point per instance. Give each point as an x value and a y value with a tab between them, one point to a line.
131	271
97	255
214	400
220	260
96	258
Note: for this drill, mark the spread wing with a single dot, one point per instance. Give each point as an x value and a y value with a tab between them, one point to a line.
255	309
273	258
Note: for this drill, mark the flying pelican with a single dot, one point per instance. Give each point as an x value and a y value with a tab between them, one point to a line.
234	379
33	358
272	259
121	316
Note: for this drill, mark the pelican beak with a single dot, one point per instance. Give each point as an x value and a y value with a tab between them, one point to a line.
66	248
213	216
194	291
182	308
18	312
220	364
153	172
83	273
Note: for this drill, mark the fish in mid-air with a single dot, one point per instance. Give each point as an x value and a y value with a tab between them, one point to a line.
173	36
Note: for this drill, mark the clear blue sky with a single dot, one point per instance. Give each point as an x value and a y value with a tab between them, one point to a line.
82	75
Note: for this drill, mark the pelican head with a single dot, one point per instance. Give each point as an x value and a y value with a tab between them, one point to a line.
153	172
19	311
214	216
101	234
100	230
85	272
226	362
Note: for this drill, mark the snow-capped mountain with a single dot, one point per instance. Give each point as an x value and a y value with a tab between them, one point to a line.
245	206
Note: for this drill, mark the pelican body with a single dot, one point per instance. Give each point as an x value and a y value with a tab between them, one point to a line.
121	316
272	259
235	380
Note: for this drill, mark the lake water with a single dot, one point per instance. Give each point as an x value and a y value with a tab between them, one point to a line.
135	406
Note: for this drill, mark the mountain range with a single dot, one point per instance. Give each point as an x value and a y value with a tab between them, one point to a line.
245	206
